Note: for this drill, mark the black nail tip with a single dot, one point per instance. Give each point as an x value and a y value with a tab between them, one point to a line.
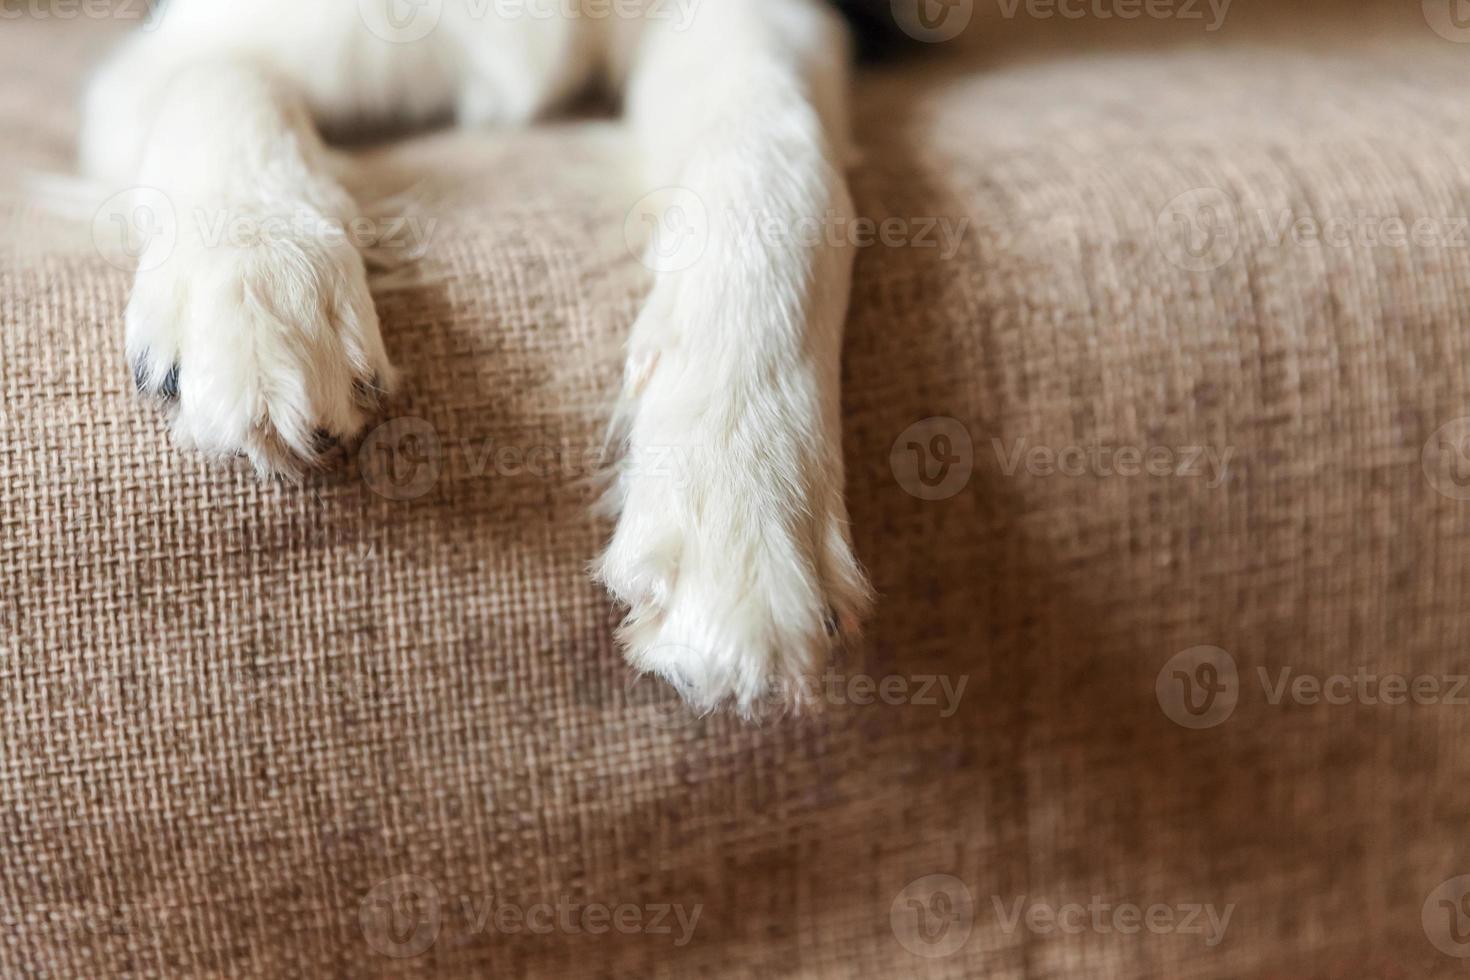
170	387
167	389
369	391
323	441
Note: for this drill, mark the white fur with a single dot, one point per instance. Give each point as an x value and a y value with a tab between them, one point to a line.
737	565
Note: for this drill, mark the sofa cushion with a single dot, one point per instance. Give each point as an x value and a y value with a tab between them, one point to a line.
1202	414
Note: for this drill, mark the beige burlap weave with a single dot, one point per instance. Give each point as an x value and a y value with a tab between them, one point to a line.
244	726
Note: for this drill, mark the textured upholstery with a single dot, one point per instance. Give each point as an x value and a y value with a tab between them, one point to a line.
237	720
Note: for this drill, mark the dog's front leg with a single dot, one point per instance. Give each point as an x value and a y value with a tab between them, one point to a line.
732	547
250	312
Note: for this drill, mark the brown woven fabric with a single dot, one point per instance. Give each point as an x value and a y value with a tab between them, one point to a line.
238	720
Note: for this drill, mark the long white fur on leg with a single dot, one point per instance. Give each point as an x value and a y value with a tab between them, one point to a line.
736	562
250	311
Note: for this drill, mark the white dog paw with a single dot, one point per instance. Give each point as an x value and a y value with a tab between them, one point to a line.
738	583
266	347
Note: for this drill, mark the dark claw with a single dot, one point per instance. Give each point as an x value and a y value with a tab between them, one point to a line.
368	392
170	387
